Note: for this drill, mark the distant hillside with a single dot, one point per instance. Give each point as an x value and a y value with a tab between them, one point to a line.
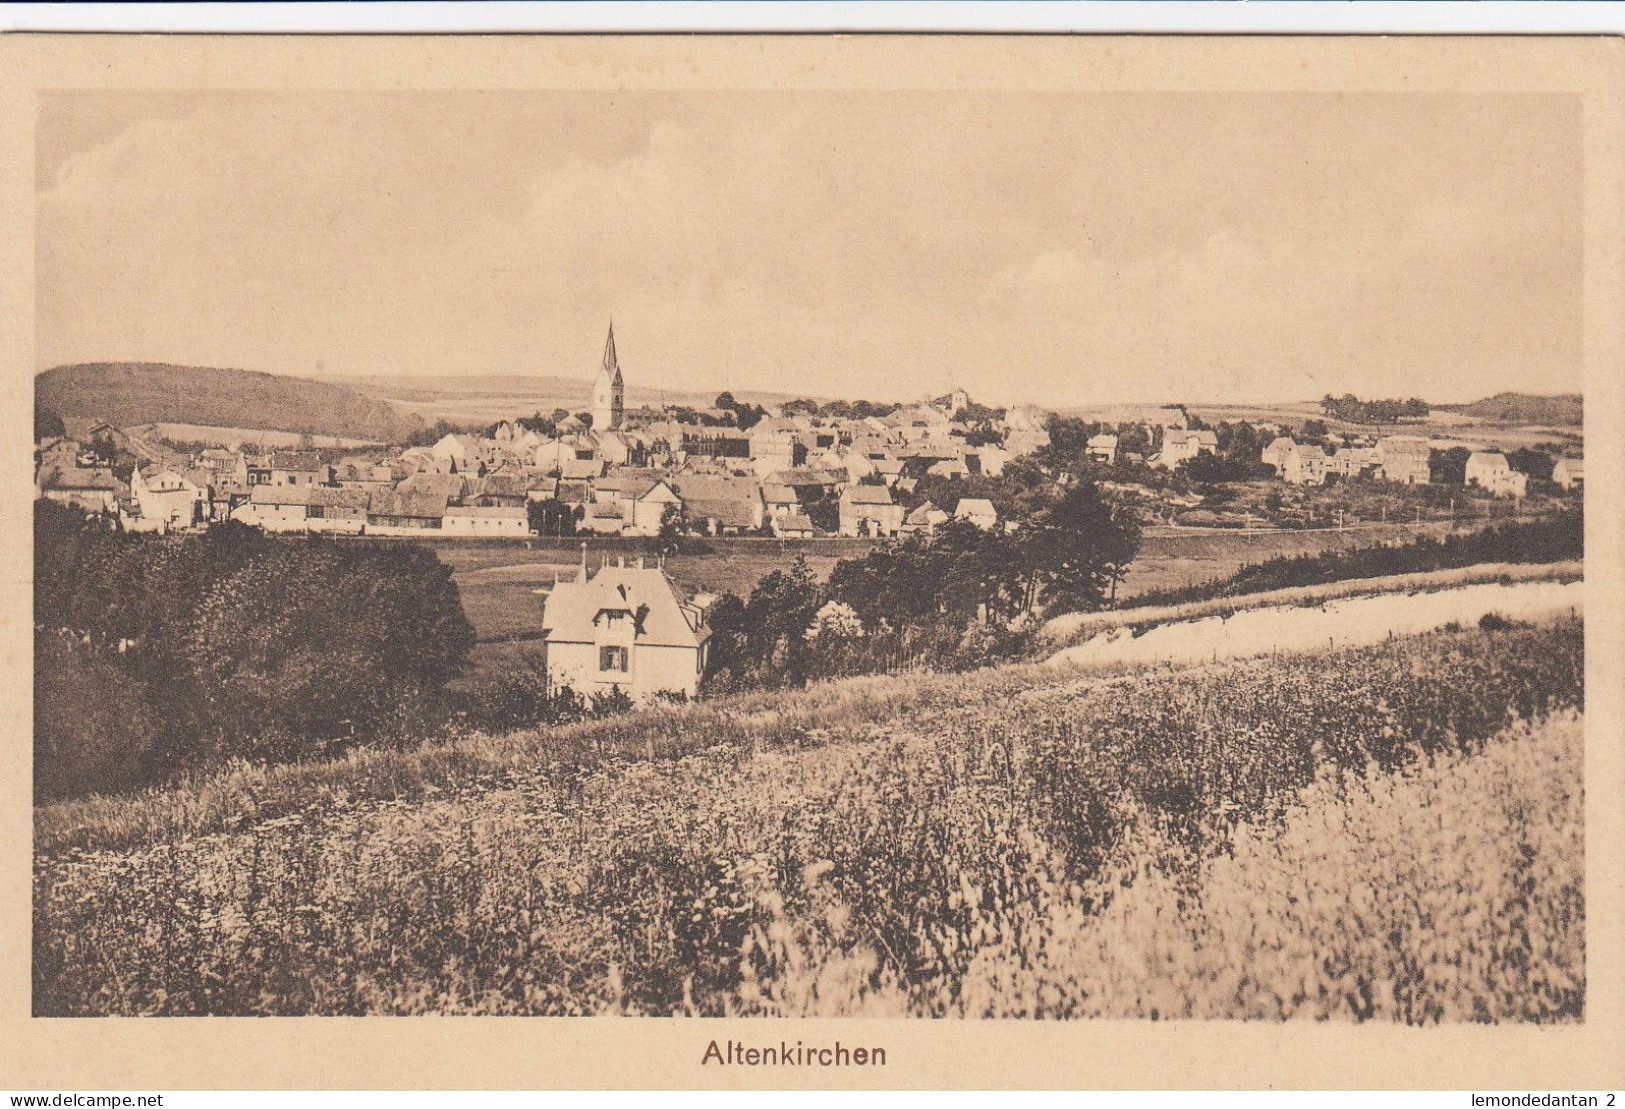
1523	408
484	398
130	393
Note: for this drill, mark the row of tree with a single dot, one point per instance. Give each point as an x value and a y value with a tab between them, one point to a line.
1352	410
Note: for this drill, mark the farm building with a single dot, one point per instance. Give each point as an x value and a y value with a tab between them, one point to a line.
869	510
1569	472
1404	459
627	628
500	520
1489	471
1179	445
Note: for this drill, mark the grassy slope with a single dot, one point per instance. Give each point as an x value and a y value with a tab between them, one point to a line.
877	846
130	393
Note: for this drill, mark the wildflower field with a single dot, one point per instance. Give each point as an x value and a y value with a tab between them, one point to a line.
1390	832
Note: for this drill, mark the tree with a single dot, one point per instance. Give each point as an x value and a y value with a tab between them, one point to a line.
725	400
779	610
93	729
551	517
671	521
47	424
1449	467
1537	464
1080	549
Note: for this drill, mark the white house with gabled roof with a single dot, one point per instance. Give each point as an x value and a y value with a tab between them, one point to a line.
624	627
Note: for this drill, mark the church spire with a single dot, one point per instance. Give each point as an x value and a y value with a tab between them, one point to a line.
611	367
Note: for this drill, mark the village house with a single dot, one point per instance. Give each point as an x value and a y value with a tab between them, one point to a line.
625	628
1306	464
1490	471
398	512
165	500
924	520
978	511
793	525
1181	445
90	489
869	510
337	511
721	505
780	500
297	468
1102	448
276	507
1404	459
1569	473
990	460
1275	455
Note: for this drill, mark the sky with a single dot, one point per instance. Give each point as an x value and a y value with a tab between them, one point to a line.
1034	247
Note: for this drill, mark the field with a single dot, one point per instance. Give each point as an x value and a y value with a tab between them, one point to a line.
1390	833
235	437
485	399
1170	558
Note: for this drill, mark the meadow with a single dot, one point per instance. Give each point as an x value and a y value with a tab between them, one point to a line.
1390	832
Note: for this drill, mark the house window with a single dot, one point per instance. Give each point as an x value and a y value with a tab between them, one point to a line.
612	658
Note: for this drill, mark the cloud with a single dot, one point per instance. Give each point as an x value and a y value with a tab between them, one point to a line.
882	244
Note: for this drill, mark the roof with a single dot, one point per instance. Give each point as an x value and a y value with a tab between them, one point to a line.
581	469
794	521
505	484
866	494
1185	435
1103	440
92	479
1403	444
1281	443
338	498
975	506
404	502
728	512
296	460
445	486
281	494
573	607
923	514
780	494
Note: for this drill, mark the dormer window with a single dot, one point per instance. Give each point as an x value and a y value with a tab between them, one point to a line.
613	659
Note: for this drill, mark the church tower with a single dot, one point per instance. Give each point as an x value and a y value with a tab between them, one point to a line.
608	391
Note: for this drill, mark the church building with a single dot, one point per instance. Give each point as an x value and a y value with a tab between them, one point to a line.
608	391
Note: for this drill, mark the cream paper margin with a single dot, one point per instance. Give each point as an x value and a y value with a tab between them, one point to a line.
49	1055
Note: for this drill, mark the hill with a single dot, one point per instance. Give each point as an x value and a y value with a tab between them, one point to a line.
131	393
1565	409
485	398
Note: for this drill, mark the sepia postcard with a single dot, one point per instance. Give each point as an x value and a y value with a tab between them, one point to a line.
813	561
